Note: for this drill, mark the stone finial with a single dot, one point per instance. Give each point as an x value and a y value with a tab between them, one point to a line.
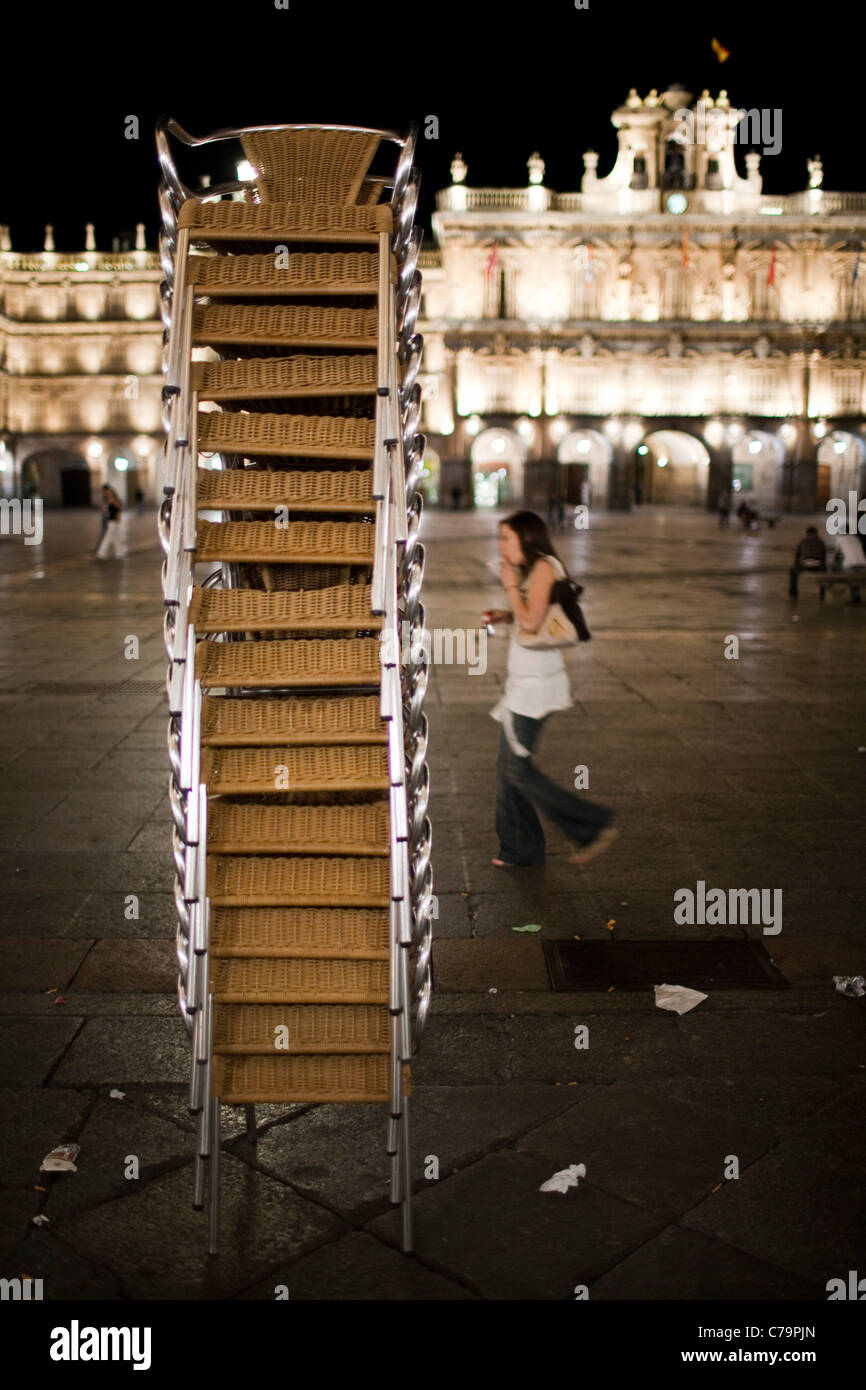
459	169
705	96
139	237
5	239
535	165
722	99
653	98
204	180
633	99
48	244
816	171
90	237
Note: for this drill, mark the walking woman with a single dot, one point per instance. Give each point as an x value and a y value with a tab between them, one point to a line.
536	686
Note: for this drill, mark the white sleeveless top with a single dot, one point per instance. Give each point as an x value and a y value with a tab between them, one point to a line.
536	683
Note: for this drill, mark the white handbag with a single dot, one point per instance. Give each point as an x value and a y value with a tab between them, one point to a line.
557	630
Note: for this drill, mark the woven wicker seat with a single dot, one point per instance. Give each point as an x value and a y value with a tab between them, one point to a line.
293	719
336	829
250	1029
325	166
325	542
342	932
285	325
273	981
263	378
297	882
337	272
276	664
257	490
301	1080
289	221
236	771
313	436
343	607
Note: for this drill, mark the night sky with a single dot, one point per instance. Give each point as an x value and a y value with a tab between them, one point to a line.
503	80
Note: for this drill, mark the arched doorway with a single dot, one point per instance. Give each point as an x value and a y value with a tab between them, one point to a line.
431	477
585	456
673	468
497	457
842	462
60	477
757	464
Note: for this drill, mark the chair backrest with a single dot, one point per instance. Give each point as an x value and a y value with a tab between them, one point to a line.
310	166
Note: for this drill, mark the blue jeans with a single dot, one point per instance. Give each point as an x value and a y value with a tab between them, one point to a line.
522	791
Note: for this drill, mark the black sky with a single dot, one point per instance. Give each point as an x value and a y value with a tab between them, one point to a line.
502	81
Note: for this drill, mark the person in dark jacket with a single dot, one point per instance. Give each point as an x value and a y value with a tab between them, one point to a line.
811	554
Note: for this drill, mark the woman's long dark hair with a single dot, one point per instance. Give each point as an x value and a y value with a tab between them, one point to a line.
533	536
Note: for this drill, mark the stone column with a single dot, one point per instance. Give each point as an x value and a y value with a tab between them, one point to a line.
800	471
620	488
720	473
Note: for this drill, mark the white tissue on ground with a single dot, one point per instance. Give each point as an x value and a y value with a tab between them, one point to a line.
677	999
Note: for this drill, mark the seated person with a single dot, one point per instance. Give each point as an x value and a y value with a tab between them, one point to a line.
811	554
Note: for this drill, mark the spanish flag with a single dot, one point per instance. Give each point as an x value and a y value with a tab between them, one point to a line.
720	51
771	272
685	249
492	261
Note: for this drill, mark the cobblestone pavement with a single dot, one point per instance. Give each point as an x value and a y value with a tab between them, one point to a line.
739	772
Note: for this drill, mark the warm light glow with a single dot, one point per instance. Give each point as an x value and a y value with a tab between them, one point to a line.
94	449
525	428
643	449
473	424
143	445
583	446
558	430
787	433
498	446
246	172
662	462
755	446
819	429
735	432
82	265
121	464
840	446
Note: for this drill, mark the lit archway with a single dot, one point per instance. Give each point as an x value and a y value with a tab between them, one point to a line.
843	456
60	477
498	456
586	457
672	467
758	459
431	476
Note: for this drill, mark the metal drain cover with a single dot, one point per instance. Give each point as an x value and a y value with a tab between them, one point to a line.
704	965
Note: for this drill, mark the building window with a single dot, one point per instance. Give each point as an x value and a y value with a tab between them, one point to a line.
764	297
849	392
585	294
851	297
676	294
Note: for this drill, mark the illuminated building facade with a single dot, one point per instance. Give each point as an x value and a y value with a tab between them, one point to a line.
80	369
665	333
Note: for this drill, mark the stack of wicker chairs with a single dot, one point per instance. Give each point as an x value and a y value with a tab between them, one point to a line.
290	525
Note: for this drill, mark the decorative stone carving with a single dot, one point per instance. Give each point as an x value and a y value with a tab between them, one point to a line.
816	171
587	345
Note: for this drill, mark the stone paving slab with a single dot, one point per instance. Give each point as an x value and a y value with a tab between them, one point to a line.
491	1226
773	1102
115	1132
119	1050
683	1265
31	1047
156	1245
148	966
337	1153
797	1208
657	1153
66	1274
40	963
36	1120
359	1267
482	965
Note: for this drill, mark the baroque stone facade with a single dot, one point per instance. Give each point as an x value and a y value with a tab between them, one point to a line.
80	369
663	333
